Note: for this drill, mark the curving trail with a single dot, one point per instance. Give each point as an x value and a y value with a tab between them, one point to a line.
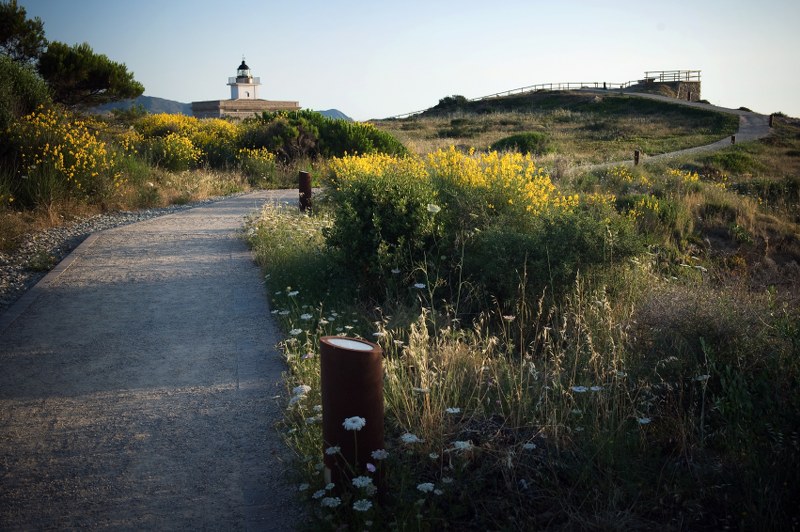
139	384
752	126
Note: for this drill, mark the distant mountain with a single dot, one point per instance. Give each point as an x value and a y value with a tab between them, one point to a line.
151	104
335	113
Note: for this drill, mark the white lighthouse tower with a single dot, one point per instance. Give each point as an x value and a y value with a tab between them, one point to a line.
244	86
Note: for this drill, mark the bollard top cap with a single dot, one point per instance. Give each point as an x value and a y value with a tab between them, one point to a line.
349	343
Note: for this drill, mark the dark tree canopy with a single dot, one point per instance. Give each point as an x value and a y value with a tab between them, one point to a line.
78	77
20	39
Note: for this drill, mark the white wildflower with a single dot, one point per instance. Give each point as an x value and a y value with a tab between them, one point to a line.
362	482
380	454
362	505
410	438
462	445
425	487
354	423
330	502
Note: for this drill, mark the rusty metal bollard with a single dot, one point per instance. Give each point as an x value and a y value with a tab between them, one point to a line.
733	139
351	374
636	157
305	191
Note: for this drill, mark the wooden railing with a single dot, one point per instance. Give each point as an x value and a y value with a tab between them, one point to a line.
654	76
666	76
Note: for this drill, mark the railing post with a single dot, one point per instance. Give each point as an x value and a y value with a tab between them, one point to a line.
305	191
351	374
635	157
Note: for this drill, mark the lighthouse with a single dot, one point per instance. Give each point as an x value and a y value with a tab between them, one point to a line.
244	102
244	86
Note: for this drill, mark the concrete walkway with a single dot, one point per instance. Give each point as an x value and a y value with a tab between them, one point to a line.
752	126
138	384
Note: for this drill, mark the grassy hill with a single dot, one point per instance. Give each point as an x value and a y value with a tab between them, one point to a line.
580	128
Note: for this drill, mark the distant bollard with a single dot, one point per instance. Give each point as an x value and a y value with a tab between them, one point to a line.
635	157
689	96
771	120
733	139
305	191
351	373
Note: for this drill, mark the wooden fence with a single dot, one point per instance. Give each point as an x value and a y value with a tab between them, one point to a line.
654	76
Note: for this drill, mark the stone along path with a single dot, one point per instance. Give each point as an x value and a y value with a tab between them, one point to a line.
138	384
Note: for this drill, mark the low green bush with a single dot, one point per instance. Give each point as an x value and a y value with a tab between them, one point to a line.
535	143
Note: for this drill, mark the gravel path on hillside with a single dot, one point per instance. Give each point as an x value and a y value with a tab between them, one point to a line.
752	126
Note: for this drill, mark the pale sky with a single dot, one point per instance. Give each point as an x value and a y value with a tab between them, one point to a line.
371	59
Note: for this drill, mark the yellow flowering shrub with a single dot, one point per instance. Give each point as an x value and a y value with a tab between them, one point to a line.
64	149
483	215
502	179
162	124
686	176
216	139
257	163
176	152
623	179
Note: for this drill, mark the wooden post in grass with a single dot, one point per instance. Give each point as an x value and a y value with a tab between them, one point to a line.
771	119
305	191
733	139
635	157
351	374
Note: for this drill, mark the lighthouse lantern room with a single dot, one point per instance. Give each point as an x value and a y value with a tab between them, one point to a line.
244	86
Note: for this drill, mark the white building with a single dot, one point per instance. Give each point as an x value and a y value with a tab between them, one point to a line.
244	102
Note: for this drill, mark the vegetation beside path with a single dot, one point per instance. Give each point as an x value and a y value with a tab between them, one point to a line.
613	349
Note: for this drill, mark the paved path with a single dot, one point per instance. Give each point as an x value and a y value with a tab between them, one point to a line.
752	126
138	384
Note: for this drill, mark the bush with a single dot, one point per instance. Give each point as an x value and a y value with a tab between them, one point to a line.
298	134
216	139
382	217
173	152
501	213
547	251
57	154
257	164
534	143
21	91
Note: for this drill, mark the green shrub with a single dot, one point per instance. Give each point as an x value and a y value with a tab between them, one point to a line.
258	165
173	152
535	143
548	250
382	223
306	133
21	91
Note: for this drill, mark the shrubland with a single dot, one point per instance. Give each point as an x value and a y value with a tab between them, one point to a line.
608	349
